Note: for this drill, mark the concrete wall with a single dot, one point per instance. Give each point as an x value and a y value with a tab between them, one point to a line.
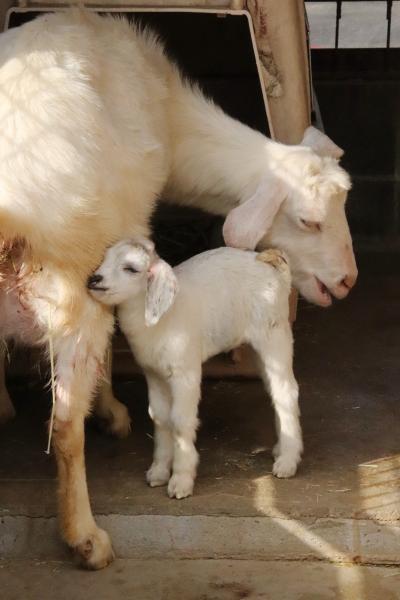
359	96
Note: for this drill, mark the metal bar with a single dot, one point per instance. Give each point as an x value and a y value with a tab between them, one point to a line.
338	17
389	6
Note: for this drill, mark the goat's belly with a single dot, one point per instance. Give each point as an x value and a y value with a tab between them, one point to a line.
17	321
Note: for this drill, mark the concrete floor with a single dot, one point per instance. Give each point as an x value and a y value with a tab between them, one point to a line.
343	507
198	580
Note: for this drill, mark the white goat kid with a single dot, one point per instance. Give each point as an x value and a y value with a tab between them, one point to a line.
97	124
208	304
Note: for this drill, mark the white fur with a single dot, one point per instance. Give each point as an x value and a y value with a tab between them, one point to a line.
208	304
95	124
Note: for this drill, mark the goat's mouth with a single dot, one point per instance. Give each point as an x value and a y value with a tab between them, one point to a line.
96	288
315	291
325	295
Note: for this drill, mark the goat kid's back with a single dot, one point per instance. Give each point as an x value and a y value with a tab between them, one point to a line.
224	296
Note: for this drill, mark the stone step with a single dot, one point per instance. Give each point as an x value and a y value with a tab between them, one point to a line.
219	537
198	580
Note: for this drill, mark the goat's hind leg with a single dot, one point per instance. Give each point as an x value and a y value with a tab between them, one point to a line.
7	411
79	357
276	364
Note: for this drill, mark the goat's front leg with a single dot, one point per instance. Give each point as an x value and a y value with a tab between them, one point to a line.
160	402
79	359
108	408
185	389
7	410
276	357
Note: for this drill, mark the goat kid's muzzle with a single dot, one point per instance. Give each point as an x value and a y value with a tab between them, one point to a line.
94	283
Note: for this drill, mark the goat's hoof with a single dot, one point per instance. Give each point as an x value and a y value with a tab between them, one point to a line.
118	423
180	486
7	410
157	475
95	551
285	466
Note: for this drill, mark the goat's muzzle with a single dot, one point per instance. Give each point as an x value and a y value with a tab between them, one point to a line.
94	281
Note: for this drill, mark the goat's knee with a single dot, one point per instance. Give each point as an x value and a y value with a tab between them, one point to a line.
160	414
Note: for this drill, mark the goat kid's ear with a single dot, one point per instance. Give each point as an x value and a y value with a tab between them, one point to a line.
162	286
321	143
147	244
246	224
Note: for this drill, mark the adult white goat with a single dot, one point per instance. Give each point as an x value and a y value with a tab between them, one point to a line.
95	123
175	319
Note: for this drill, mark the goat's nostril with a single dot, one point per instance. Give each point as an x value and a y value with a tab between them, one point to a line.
93	280
348	281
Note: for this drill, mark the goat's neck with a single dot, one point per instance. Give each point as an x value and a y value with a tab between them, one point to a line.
215	155
133	309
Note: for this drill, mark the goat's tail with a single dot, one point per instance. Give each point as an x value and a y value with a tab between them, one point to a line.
278	260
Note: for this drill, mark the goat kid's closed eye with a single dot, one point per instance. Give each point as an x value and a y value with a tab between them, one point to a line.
130	269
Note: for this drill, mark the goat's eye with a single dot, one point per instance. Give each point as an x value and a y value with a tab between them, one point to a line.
130	269
311	225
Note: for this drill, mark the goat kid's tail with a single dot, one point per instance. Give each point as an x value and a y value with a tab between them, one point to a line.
278	260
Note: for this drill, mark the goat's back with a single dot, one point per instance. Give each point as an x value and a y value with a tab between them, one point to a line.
82	150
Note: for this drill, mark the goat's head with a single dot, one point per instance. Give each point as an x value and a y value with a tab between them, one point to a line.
300	208
131	268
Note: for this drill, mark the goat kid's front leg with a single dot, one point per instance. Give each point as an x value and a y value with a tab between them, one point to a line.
160	402
79	358
108	409
7	410
185	390
275	352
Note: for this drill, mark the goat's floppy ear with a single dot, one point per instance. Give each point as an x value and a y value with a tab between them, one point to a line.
162	287
320	143
246	224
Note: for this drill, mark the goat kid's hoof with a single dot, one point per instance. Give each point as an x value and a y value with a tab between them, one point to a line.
95	552
284	466
180	486
157	475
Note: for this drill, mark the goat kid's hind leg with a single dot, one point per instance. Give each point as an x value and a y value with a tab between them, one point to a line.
160	412
185	389
275	353
7	410
108	409
79	357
